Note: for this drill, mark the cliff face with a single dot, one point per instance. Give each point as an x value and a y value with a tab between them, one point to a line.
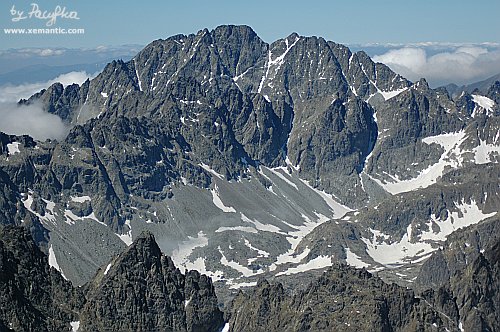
468	276
141	290
33	295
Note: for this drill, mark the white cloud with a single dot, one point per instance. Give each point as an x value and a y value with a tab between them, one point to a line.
459	65
31	120
51	52
13	93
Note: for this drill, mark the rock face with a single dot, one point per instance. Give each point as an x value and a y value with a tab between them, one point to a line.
33	296
142	290
343	299
467	276
233	100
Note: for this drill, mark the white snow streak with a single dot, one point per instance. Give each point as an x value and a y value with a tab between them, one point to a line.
53	261
319	262
277	62
218	201
211	170
450	158
80	199
13	148
354	260
107	268
137	74
483	102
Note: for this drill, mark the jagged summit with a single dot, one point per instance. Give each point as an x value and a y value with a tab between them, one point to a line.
143	291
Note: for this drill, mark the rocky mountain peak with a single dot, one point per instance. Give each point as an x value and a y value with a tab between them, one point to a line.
141	281
249	160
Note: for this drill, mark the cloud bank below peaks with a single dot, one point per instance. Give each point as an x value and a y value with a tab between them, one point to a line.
32	119
460	64
13	93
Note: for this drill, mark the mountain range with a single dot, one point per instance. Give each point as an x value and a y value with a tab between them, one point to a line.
250	161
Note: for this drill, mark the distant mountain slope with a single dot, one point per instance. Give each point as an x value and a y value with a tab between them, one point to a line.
482	86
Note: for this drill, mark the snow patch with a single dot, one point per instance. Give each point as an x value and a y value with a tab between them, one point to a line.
390	94
210	170
337	209
276	63
319	262
75	326
243	270
294	238
238	286
383	251
107	268
482	102
237	228
276	171
261	253
80	199
127	237
226	327
398	252
71	218
260	226
218	202
483	151
180	256
49	214
13	148
104	94
450	158
137	75
354	260
468	214
53	261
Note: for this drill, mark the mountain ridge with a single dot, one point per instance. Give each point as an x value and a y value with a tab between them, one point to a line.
236	153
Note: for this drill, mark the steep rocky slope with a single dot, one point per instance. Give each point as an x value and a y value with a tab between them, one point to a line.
343	299
33	296
140	290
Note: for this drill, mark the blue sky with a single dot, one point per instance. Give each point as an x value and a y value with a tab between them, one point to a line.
348	21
